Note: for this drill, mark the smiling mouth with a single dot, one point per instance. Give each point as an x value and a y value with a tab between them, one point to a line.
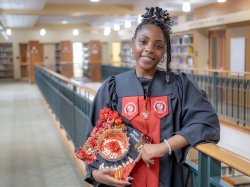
147	58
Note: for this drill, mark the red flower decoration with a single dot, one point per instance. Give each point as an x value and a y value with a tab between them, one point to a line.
114	146
108	119
118	121
96	131
115	114
92	142
146	138
86	157
105	113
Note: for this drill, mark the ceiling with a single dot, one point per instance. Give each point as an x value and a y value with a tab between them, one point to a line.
24	14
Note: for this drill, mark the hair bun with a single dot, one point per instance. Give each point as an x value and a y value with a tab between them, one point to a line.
160	15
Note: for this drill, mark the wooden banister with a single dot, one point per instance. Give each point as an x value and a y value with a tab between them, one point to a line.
67	80
229	158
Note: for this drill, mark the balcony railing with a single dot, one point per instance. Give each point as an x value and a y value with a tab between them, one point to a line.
229	92
71	102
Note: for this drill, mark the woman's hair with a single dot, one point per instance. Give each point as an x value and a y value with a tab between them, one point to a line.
159	17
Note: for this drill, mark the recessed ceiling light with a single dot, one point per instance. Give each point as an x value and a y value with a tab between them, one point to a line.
94	1
75	32
64	22
42	32
8	32
221	1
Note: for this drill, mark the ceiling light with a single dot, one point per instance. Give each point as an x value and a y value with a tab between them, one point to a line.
75	32
186	7
221	1
42	32
116	27
127	24
94	1
8	32
64	22
107	31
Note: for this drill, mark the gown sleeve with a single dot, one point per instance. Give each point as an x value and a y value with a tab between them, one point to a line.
199	122
105	97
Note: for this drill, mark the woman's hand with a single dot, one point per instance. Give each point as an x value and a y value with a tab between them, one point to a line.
150	151
102	176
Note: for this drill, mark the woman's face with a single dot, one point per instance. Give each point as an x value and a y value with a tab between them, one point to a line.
148	47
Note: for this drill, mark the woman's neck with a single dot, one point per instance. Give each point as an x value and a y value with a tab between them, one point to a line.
146	74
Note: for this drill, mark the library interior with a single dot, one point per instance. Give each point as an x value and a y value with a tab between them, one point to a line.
55	55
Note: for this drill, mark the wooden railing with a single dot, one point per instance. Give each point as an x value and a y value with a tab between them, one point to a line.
227	157
71	102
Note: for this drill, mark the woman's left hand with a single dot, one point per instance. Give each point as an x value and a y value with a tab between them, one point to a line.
150	151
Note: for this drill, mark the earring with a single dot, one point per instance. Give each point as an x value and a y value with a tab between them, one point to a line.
131	51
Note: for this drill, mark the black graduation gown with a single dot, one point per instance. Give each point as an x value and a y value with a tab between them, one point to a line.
190	115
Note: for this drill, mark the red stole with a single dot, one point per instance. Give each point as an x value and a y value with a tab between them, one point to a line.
157	108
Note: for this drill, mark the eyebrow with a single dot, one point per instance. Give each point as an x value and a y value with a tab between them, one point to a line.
156	40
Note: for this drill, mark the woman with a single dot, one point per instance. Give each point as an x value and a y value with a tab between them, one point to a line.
168	107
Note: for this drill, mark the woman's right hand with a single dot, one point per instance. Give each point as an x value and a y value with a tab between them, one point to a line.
102	176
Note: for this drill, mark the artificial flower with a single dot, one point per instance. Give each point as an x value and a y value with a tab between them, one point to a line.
114	146
92	142
105	113
88	158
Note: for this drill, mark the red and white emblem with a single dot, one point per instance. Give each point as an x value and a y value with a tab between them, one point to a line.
159	107
130	108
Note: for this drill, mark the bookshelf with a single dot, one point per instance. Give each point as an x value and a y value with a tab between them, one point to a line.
182	51
95	58
86	54
24	67
85	60
64	58
91	60
57	53
6	60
